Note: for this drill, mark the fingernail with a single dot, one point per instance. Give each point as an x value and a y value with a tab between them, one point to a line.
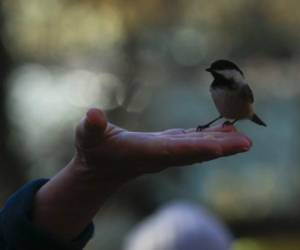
248	141
96	118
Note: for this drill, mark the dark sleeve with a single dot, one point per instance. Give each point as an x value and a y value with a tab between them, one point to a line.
17	232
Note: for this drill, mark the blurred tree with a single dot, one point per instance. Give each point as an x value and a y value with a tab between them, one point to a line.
253	33
12	174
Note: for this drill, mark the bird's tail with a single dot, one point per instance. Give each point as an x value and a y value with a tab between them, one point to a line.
258	121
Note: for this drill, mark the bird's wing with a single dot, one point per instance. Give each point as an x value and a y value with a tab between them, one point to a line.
247	93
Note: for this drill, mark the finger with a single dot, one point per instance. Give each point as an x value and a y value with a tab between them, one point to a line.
95	120
174	131
183	152
91	128
236	143
220	137
187	150
203	135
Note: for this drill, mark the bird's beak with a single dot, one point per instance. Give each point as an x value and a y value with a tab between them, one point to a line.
209	69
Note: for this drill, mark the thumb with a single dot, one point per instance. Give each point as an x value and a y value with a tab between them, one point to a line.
91	128
95	121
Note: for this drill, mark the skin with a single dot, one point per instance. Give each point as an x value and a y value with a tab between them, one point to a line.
107	156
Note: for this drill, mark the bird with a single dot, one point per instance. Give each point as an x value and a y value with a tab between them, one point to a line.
231	94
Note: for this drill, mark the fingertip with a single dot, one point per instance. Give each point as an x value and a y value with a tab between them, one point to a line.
247	142
96	118
235	143
244	140
245	145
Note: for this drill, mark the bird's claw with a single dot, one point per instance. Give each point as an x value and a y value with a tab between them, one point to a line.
201	127
227	123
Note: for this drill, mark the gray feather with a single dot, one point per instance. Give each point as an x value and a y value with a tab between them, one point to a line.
247	93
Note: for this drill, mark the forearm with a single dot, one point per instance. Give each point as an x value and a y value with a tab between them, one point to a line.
66	205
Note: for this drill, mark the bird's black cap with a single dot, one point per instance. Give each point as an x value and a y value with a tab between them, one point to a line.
223	65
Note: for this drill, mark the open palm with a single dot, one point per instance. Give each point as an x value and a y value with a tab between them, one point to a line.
115	152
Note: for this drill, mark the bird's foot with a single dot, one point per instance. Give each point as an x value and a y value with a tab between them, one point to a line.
201	127
227	123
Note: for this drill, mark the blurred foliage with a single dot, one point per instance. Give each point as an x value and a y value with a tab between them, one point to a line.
142	61
278	242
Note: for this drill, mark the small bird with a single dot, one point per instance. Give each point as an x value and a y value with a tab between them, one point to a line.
231	94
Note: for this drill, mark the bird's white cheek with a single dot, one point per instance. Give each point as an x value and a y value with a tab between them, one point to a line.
232	74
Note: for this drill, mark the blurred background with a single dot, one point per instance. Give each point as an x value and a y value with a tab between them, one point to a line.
143	62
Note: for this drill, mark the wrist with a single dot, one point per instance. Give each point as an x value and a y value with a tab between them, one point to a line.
88	175
66	204
101	167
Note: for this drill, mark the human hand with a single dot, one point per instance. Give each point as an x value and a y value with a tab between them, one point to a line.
107	156
115	153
